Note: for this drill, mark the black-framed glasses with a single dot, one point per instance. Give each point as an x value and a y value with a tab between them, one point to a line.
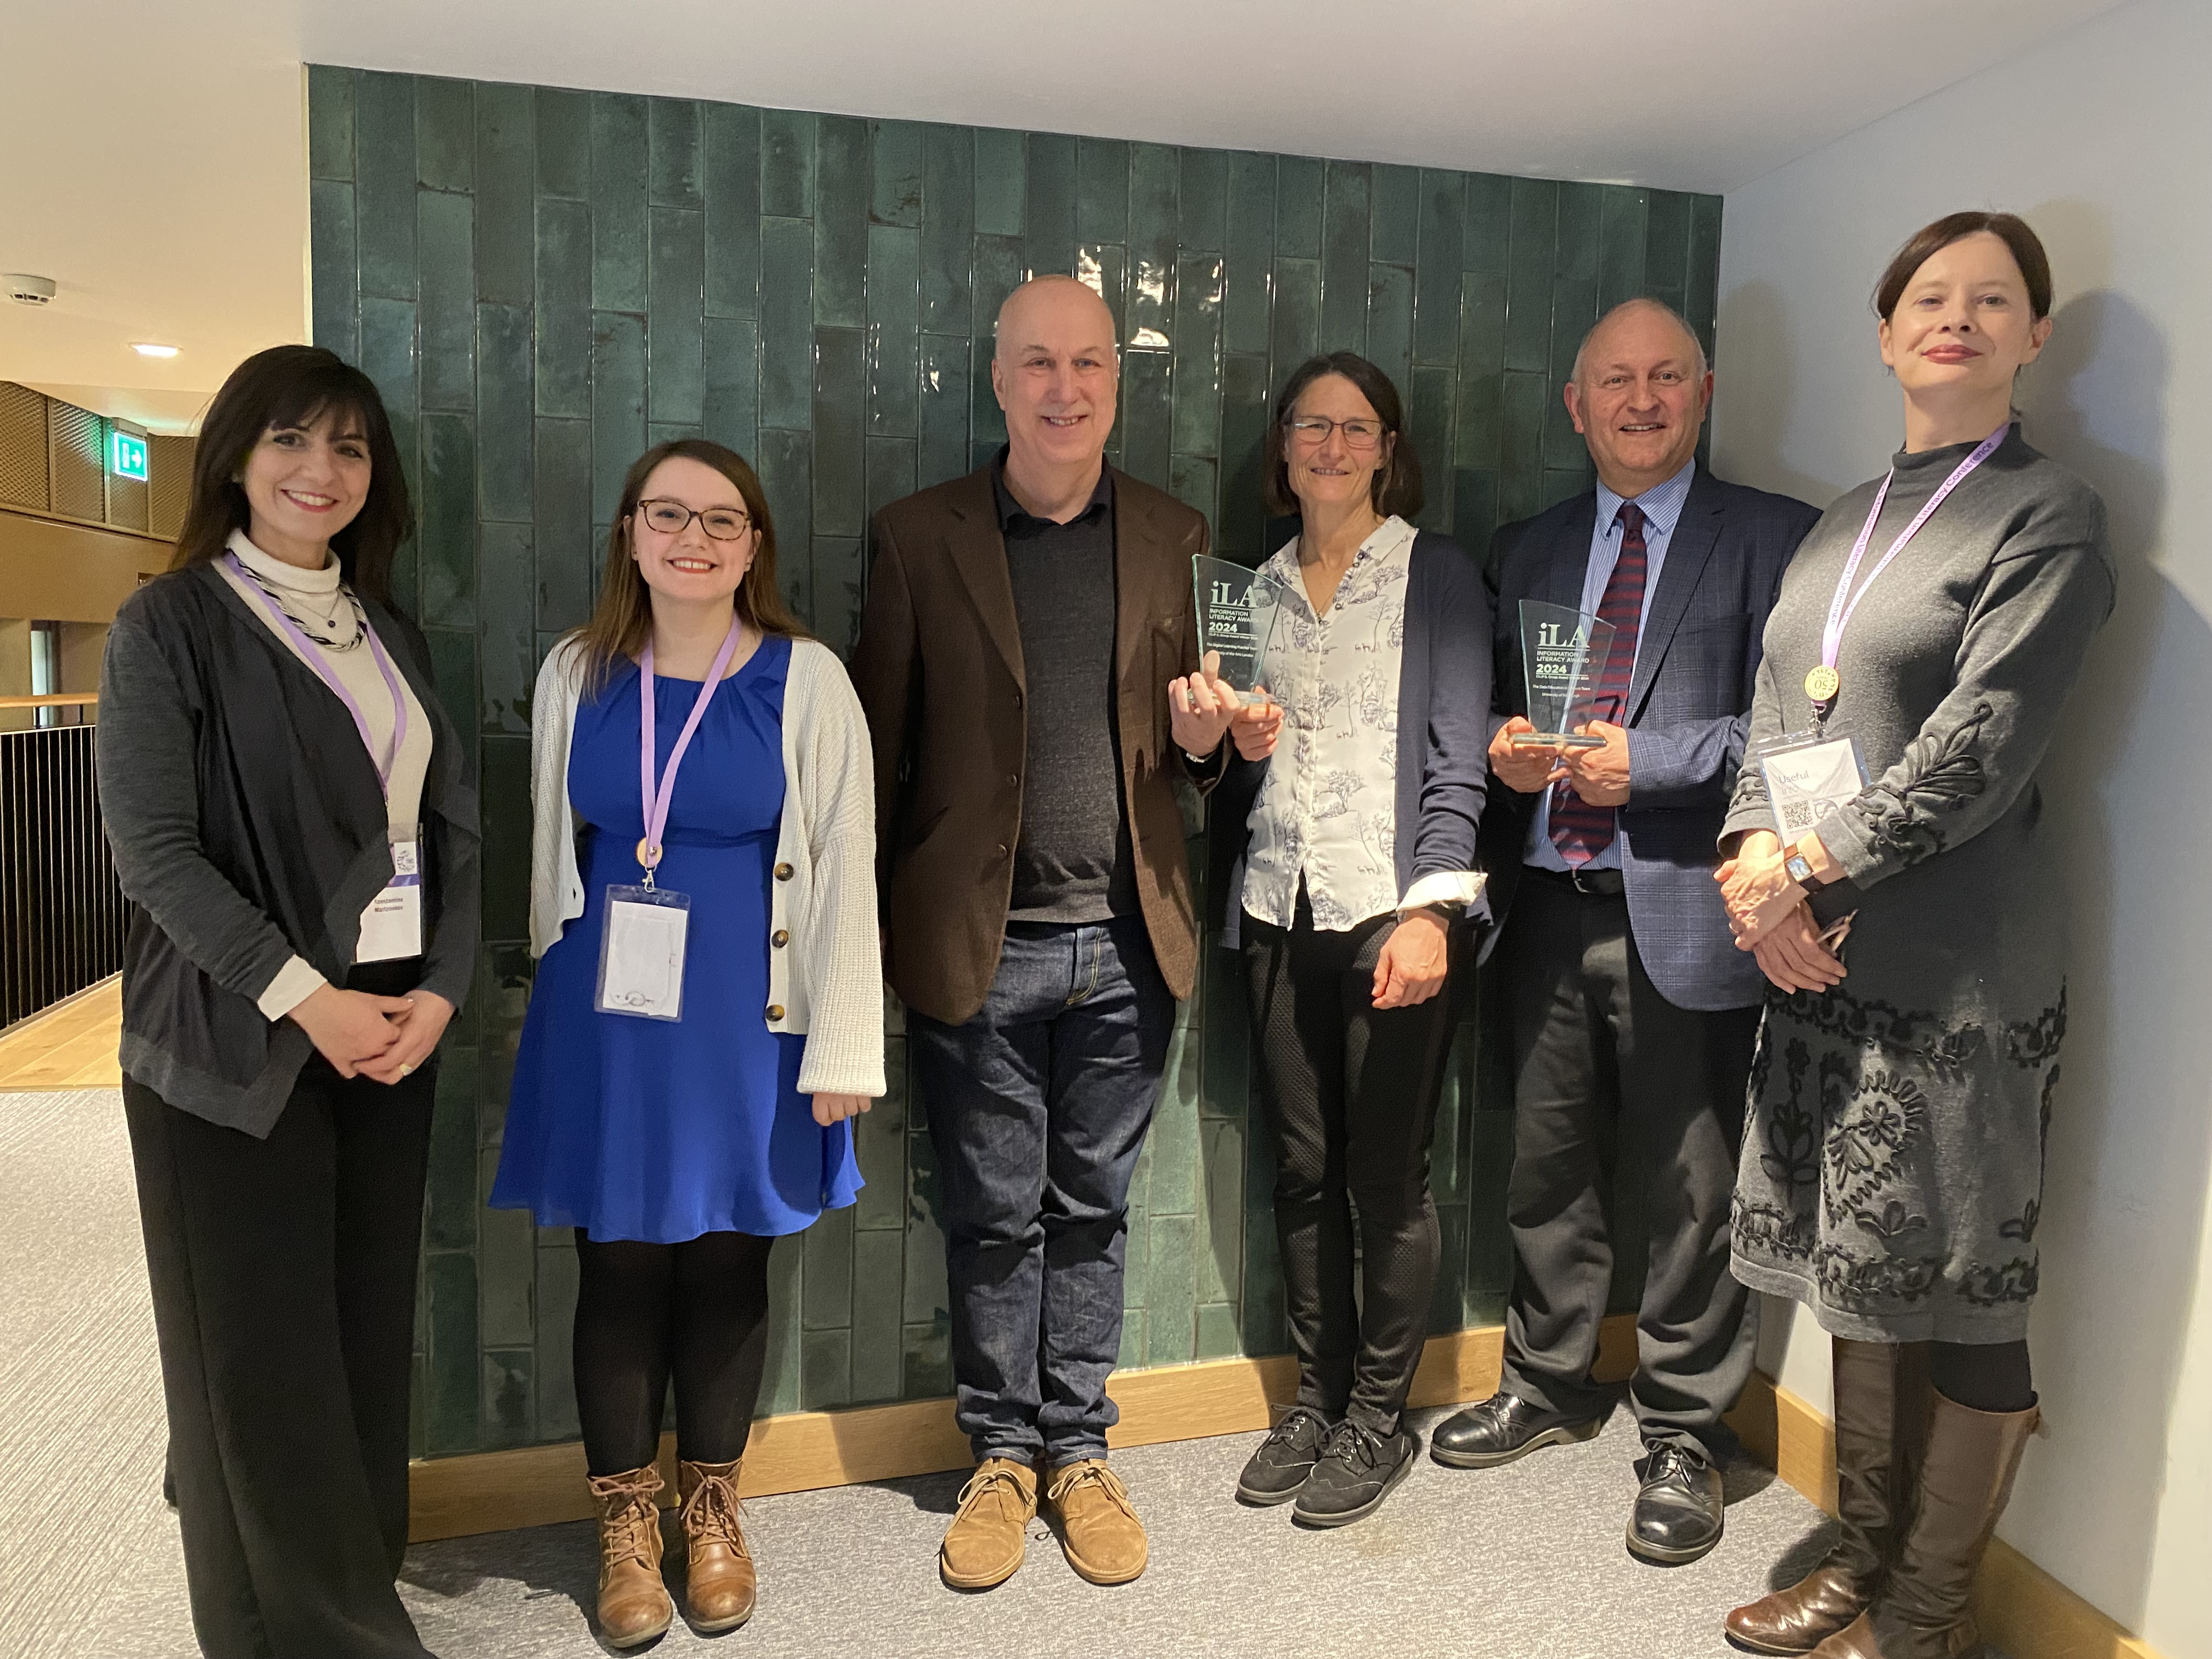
1313	430
724	523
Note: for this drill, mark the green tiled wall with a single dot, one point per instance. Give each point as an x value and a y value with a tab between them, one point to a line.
544	282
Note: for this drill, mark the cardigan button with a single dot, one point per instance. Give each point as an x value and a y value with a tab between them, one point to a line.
780	938
775	1011
783	872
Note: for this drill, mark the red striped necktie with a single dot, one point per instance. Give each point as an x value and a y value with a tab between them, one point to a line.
1580	831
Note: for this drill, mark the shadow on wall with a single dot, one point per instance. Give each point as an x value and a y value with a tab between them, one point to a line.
1753	320
2123	1223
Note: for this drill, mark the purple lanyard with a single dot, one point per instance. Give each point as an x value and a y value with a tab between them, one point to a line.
1840	611
314	660
657	797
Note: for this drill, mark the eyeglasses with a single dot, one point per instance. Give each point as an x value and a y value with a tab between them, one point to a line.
1313	430
670	517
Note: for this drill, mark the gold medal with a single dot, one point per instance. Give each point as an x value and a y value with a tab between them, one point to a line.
1822	682
647	853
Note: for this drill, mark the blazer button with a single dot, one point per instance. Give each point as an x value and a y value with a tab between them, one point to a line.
775	1011
783	872
1002	849
1013	780
1018	700
780	938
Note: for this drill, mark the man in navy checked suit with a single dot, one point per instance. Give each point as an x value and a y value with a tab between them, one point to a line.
1631	1011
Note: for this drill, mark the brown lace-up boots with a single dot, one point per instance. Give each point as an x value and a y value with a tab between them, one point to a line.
634	1605
983	1545
1099	1532
720	1585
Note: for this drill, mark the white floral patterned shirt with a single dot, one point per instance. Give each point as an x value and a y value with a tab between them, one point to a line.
1328	808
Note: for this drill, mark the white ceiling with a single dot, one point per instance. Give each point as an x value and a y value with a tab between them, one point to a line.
155	157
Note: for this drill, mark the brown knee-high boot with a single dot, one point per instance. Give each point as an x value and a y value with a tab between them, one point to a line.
1925	1607
633	1604
1881	1398
718	1582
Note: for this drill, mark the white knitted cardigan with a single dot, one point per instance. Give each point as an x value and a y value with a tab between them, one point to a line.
825	971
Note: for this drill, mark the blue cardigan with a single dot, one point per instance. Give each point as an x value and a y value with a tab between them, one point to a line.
1444	707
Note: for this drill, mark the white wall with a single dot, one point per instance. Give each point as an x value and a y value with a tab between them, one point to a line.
2100	140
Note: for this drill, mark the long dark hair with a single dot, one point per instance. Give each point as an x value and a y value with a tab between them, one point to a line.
1397	487
292	387
622	622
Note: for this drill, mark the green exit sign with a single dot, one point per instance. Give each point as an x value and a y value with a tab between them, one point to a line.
126	455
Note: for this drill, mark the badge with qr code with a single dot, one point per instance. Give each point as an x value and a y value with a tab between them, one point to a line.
1808	775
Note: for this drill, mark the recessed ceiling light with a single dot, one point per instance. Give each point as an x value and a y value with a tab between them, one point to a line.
148	349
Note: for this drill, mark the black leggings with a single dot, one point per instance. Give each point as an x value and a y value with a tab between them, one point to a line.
698	1309
1983	1376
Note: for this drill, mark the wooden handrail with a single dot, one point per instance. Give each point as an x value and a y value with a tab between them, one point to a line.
51	700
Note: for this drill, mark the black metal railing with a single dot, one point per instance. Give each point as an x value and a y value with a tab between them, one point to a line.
61	913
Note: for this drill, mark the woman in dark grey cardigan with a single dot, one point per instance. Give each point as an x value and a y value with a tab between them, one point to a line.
1358	838
1893	1158
292	818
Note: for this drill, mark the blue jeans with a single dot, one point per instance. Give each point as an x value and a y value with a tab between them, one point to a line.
1037	1108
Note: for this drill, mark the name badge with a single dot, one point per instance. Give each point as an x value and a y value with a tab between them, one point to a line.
642	953
391	925
1807	775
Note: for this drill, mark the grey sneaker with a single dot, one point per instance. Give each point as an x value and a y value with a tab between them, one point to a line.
1285	1459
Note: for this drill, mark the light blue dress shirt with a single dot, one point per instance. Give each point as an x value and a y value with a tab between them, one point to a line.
1662	511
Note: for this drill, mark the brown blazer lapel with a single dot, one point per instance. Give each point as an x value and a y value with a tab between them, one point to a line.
1134	562
979	554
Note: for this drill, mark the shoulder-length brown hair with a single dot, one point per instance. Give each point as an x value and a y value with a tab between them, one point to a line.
1396	489
622	622
290	387
1932	238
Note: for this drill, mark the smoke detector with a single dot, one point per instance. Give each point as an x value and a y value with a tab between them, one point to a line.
28	290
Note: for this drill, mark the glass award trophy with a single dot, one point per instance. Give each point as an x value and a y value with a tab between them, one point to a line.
1236	613
1563	653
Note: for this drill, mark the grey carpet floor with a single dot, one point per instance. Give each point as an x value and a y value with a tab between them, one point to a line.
1524	1562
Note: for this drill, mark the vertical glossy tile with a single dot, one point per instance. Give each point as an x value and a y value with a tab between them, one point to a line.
1389	321
826	1370
1344	235
894	287
840	588
878	1262
787	143
1521	446
998	273
564	307
1474	508
384	187
618	406
445	122
1247	405
1394	238
925	1298
787	323
879	1147
1147	416
1154	173
1202	199
1561	483
842	183
504	778
1449	1292
506	1266
1574	309
507	603
827	1301
780	1388
504	401
454	669
1132	1354
948	227
944	409
1194	480
1299	190
1103	267
560	515
1622	221
1170	1300
1218	1324
333	252
1174	1147
897	196
564	144
1534	215
449	1208
504	166
730	141
506	1403
676	178
675	335
329	121
928	1359
1429	414
1437	273
1050	203
445	235
1297	332
1102	167
447	532
1198	354
449	1278
619	166
731	412
1481	364
1666	246
1578	230
1699	295
1001	163
1250	253
1221	1261
785	464
839	424
1489	234
891	478
555	1325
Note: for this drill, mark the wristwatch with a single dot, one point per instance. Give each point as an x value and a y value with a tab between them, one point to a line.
1799	869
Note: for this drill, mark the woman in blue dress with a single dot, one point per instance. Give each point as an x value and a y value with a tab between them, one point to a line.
689	740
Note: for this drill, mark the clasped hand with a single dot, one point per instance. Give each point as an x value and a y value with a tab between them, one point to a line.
381	1038
1768	914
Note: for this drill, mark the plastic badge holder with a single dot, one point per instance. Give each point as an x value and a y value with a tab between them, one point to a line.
642	953
1807	773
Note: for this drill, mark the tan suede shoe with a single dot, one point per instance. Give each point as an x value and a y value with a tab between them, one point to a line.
983	1545
1099	1532
719	1583
633	1604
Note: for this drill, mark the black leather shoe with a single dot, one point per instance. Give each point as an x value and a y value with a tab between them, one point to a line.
1285	1457
1357	1470
1678	1514
1502	1428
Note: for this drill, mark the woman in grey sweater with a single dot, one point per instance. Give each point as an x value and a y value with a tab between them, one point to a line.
1911	925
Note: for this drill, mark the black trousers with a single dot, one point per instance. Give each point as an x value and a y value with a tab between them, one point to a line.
1608	1073
283	1284
1351	1092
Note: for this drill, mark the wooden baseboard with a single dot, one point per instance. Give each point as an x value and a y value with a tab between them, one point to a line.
534	1485
2023	1609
